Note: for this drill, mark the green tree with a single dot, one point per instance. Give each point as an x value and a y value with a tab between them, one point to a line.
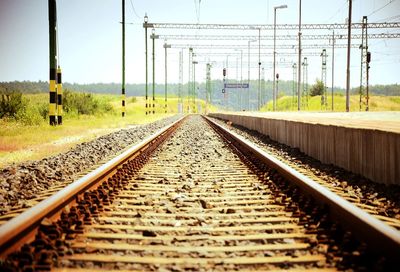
317	88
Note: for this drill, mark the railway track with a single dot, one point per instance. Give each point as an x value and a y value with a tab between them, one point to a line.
195	200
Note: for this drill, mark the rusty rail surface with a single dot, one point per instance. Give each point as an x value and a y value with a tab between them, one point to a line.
22	228
378	235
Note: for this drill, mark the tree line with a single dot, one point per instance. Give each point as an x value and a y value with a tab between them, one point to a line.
285	88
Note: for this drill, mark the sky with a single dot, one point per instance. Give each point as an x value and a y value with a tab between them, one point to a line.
89	37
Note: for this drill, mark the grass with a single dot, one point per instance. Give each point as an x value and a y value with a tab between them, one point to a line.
20	141
376	103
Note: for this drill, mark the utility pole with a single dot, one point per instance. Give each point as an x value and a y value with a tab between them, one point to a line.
305	83
364	65
123	58
263	91
153	37
189	80
294	67
299	61
273	74
248	76
241	80
259	69
147	66
208	86
324	101
333	63
59	96
180	105
348	59
277	82
194	86
166	69
235	105
53	61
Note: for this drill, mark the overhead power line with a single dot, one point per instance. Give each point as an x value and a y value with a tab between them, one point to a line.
134	10
375	11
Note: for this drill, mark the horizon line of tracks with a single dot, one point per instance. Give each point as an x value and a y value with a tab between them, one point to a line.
195	196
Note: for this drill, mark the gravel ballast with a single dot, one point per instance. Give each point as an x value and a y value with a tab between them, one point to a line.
21	182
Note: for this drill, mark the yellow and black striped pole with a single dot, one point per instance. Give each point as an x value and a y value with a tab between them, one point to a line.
53	61
59	97
123	58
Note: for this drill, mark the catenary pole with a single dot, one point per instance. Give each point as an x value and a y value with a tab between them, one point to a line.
348	59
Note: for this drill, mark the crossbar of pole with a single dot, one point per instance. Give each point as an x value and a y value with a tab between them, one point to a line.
270	26
279	37
224	54
244	46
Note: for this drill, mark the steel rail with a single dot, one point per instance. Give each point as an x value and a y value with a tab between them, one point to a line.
21	228
379	236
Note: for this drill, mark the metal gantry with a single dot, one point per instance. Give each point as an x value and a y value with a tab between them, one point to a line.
339	35
264	46
271	26
364	67
278	37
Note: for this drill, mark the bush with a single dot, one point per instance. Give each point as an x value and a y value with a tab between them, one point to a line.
317	89
133	99
30	116
84	103
81	103
11	104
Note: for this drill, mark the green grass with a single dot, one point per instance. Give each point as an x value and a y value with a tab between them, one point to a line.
20	141
376	103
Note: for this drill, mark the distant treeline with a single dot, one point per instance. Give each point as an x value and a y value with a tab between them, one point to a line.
285	87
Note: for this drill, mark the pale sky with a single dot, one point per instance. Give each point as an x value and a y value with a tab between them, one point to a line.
90	38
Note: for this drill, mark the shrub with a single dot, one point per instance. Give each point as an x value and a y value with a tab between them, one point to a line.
84	103
11	104
133	99
317	89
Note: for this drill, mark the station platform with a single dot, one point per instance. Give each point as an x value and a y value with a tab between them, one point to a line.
366	143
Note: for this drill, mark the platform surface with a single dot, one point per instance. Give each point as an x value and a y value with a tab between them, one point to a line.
384	121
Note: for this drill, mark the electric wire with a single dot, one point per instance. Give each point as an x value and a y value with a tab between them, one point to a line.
375	11
134	10
337	12
388	19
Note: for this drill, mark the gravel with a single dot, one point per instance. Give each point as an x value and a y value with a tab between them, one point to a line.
21	182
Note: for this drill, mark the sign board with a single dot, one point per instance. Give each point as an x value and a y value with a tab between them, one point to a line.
236	85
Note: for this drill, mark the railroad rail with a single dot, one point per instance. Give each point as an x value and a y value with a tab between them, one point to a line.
193	205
